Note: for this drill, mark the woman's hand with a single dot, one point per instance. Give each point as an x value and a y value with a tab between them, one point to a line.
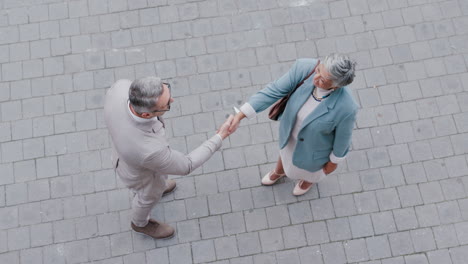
235	122
223	131
329	167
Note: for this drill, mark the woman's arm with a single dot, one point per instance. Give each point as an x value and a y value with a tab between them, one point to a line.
343	134
274	91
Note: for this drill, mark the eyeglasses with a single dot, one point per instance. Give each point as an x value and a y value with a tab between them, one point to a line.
168	103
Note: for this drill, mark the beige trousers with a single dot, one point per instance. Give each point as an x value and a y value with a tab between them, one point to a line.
147	191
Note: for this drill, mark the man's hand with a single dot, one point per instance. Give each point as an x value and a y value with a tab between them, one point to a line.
223	130
329	167
235	122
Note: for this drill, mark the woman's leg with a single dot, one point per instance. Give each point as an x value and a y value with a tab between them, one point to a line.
279	170
305	184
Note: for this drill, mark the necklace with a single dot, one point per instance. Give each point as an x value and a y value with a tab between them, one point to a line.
318	99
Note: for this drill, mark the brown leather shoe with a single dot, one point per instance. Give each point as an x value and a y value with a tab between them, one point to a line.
170	186
155	229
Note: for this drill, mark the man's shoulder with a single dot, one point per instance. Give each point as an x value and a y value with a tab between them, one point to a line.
121	84
118	91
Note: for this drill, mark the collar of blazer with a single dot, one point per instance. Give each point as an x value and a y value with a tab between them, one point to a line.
323	107
333	98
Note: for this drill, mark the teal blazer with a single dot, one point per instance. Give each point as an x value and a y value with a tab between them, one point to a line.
328	128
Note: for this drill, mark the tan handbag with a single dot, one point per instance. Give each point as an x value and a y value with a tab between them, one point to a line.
280	105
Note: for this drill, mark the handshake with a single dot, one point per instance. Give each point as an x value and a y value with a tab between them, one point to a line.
230	125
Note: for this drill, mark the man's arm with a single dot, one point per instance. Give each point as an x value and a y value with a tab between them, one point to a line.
168	161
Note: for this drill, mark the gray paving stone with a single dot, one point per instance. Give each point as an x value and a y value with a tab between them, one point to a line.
316	233
427	215
31	255
452	189
76	251
458	254
277	216
378	247
271	240
38	190
449	212
414	173
383	222
29	214
431	192
435	170
219	203
64	231
333	253
439	256
51	210
211	227
409	195
405	219
344	205
52	253
361	226
300	212
16	193
372	179
401	243
226	247
203	251
338	229
41	235
349	182
331	186
188	231
255	220
356	250
418	258
99	248
233	223
366	202
445	236
108	223
18	238
248	243
441	147
322	208
287	256
423	240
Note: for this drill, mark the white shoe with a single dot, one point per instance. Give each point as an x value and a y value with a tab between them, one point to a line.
299	191
267	181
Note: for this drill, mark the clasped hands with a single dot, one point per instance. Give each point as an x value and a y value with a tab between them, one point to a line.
230	125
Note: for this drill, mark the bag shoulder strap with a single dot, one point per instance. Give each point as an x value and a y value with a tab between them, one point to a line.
307	77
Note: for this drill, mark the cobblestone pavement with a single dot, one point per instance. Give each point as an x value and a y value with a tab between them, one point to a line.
401	196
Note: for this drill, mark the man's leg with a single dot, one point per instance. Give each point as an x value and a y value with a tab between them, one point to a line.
143	202
141	208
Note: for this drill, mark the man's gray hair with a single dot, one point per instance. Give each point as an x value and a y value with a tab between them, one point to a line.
341	69
144	93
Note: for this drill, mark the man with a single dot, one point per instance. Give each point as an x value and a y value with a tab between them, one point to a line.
141	154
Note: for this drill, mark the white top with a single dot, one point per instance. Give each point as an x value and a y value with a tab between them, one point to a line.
287	152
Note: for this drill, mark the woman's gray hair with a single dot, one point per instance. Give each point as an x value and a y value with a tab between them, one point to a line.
144	93
341	69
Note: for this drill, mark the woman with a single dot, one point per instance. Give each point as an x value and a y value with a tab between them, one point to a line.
317	123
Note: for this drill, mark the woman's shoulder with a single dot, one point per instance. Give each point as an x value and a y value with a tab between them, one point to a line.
306	63
302	67
347	99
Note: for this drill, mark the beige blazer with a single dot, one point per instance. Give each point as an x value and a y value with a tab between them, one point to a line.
141	150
